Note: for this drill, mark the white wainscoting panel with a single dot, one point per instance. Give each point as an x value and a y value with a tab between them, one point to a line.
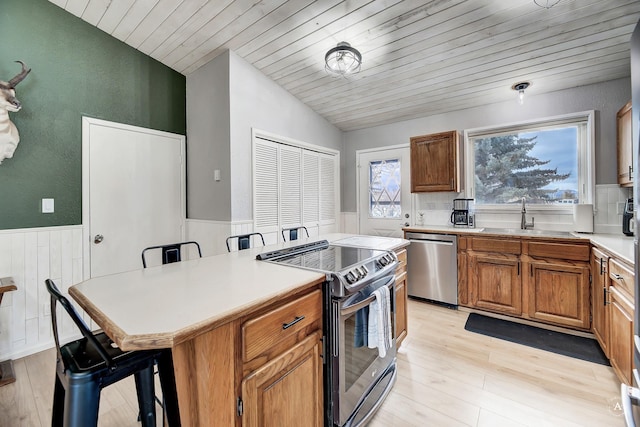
349	222
30	256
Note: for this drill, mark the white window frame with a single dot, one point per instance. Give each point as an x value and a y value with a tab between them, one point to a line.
586	160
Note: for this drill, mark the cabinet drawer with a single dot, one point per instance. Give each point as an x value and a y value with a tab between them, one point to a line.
621	276
504	246
565	251
262	333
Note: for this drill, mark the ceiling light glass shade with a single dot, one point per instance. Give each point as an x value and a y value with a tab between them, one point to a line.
520	87
343	59
547	4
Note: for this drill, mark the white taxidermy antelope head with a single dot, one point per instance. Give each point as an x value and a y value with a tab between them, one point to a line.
9	136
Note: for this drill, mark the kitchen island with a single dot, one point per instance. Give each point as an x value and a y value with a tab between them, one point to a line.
220	315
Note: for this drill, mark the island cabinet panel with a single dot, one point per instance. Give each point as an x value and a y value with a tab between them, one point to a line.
599	297
494	283
401	296
286	391
205	399
559	293
435	162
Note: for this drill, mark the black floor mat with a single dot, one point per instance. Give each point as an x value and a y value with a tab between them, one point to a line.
556	342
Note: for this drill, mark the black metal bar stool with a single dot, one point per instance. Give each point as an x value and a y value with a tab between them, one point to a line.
87	365
244	240
171	252
293	232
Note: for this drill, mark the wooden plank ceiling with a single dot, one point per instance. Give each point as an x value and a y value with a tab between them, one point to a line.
419	57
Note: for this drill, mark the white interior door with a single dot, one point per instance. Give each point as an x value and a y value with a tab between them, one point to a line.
384	193
133	193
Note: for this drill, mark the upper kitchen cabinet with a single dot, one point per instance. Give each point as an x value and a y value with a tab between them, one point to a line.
625	146
435	162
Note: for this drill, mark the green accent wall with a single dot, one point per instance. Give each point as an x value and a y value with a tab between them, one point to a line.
77	70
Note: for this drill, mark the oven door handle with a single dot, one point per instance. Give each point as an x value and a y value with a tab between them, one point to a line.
357	306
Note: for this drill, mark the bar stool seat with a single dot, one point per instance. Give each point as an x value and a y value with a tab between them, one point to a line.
86	365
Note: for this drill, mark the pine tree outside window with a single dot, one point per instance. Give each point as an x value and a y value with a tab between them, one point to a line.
549	162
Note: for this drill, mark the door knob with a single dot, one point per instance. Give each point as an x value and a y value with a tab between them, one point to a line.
406	224
99	238
406	215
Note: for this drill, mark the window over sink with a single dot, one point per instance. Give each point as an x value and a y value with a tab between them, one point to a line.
549	162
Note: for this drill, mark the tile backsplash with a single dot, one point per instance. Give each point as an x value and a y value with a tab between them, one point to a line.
608	207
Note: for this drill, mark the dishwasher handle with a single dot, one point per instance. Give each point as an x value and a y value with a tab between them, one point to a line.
433	242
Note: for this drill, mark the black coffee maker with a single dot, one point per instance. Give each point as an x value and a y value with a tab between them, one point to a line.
463	215
627	218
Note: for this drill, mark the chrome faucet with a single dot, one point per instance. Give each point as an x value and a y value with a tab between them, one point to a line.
523	221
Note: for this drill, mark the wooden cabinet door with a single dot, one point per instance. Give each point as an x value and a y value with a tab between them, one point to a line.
495	283
625	146
559	293
287	391
621	335
401	307
599	290
435	162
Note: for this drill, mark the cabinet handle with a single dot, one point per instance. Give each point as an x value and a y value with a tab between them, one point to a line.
617	276
531	270
604	296
518	268
601	271
630	172
293	322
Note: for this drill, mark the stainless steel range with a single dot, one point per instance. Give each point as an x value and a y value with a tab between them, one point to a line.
357	378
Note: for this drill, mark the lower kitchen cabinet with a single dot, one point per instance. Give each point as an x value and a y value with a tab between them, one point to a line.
495	283
401	314
282	371
621	335
287	391
559	293
530	278
621	313
599	297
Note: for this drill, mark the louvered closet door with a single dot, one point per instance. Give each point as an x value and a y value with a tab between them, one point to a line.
311	191
265	188
328	192
290	186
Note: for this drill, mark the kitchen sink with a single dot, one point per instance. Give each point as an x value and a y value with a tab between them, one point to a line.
528	232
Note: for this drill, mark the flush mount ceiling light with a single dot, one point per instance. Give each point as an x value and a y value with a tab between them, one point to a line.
520	87
343	59
547	4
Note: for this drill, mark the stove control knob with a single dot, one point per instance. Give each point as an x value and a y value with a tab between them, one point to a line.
351	278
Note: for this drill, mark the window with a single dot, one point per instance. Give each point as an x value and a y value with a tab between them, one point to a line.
549	162
384	189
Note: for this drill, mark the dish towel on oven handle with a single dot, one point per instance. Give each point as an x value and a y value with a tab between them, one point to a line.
379	330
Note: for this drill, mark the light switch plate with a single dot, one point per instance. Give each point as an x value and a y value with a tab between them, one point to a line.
48	206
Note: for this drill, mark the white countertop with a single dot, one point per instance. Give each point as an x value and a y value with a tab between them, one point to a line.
617	244
155	307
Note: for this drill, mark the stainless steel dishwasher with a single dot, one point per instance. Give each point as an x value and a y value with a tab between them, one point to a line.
432	263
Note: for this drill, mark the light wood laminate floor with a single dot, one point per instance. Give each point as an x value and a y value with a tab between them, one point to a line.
447	377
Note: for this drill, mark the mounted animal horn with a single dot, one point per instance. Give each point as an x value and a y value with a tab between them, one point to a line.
20	76
9	136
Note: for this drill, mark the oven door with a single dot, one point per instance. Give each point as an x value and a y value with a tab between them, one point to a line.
361	379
